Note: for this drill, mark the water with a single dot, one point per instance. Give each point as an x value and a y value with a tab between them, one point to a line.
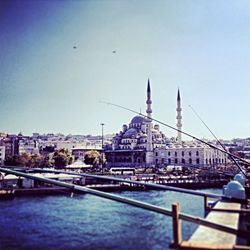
89	222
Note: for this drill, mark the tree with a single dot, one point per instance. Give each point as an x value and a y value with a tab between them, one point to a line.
92	157
46	162
62	158
18	160
35	160
24	159
12	160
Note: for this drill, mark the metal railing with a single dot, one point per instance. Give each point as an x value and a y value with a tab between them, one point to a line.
144	205
146	184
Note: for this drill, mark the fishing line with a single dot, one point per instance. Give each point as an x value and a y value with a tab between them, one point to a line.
171	127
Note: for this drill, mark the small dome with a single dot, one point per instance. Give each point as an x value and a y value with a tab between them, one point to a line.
130	132
234	189
234	185
137	119
240	178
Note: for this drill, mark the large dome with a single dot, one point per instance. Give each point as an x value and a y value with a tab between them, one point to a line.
137	119
130	132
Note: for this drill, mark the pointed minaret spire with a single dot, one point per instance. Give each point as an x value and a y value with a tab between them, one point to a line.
149	102
149	146
178	96
179	117
149	90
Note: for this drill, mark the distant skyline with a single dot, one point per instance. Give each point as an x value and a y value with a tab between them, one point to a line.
60	58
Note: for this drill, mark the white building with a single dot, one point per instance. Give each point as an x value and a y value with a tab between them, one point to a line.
67	145
29	146
2	154
194	154
187	153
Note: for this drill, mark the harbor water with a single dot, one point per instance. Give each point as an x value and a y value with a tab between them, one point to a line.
89	222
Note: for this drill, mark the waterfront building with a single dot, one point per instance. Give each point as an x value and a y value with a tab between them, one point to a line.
189	154
142	144
135	144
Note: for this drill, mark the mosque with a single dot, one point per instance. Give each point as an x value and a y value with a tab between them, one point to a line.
142	144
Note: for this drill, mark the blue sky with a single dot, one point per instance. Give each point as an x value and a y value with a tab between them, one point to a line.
47	85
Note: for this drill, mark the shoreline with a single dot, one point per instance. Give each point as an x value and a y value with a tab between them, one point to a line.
12	193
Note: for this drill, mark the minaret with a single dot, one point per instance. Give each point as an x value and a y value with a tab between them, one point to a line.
178	117
149	148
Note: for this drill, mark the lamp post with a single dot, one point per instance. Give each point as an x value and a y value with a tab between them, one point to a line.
102	124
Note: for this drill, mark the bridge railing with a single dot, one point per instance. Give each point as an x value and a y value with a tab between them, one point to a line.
174	213
146	184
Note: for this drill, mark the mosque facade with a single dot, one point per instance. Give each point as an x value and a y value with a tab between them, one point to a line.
134	145
142	144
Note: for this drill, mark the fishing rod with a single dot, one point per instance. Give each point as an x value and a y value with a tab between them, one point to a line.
171	127
232	158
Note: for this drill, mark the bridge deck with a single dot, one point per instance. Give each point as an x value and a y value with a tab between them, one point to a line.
212	236
208	238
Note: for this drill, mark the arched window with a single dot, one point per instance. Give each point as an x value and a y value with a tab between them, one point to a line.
190	161
197	161
197	153
175	154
